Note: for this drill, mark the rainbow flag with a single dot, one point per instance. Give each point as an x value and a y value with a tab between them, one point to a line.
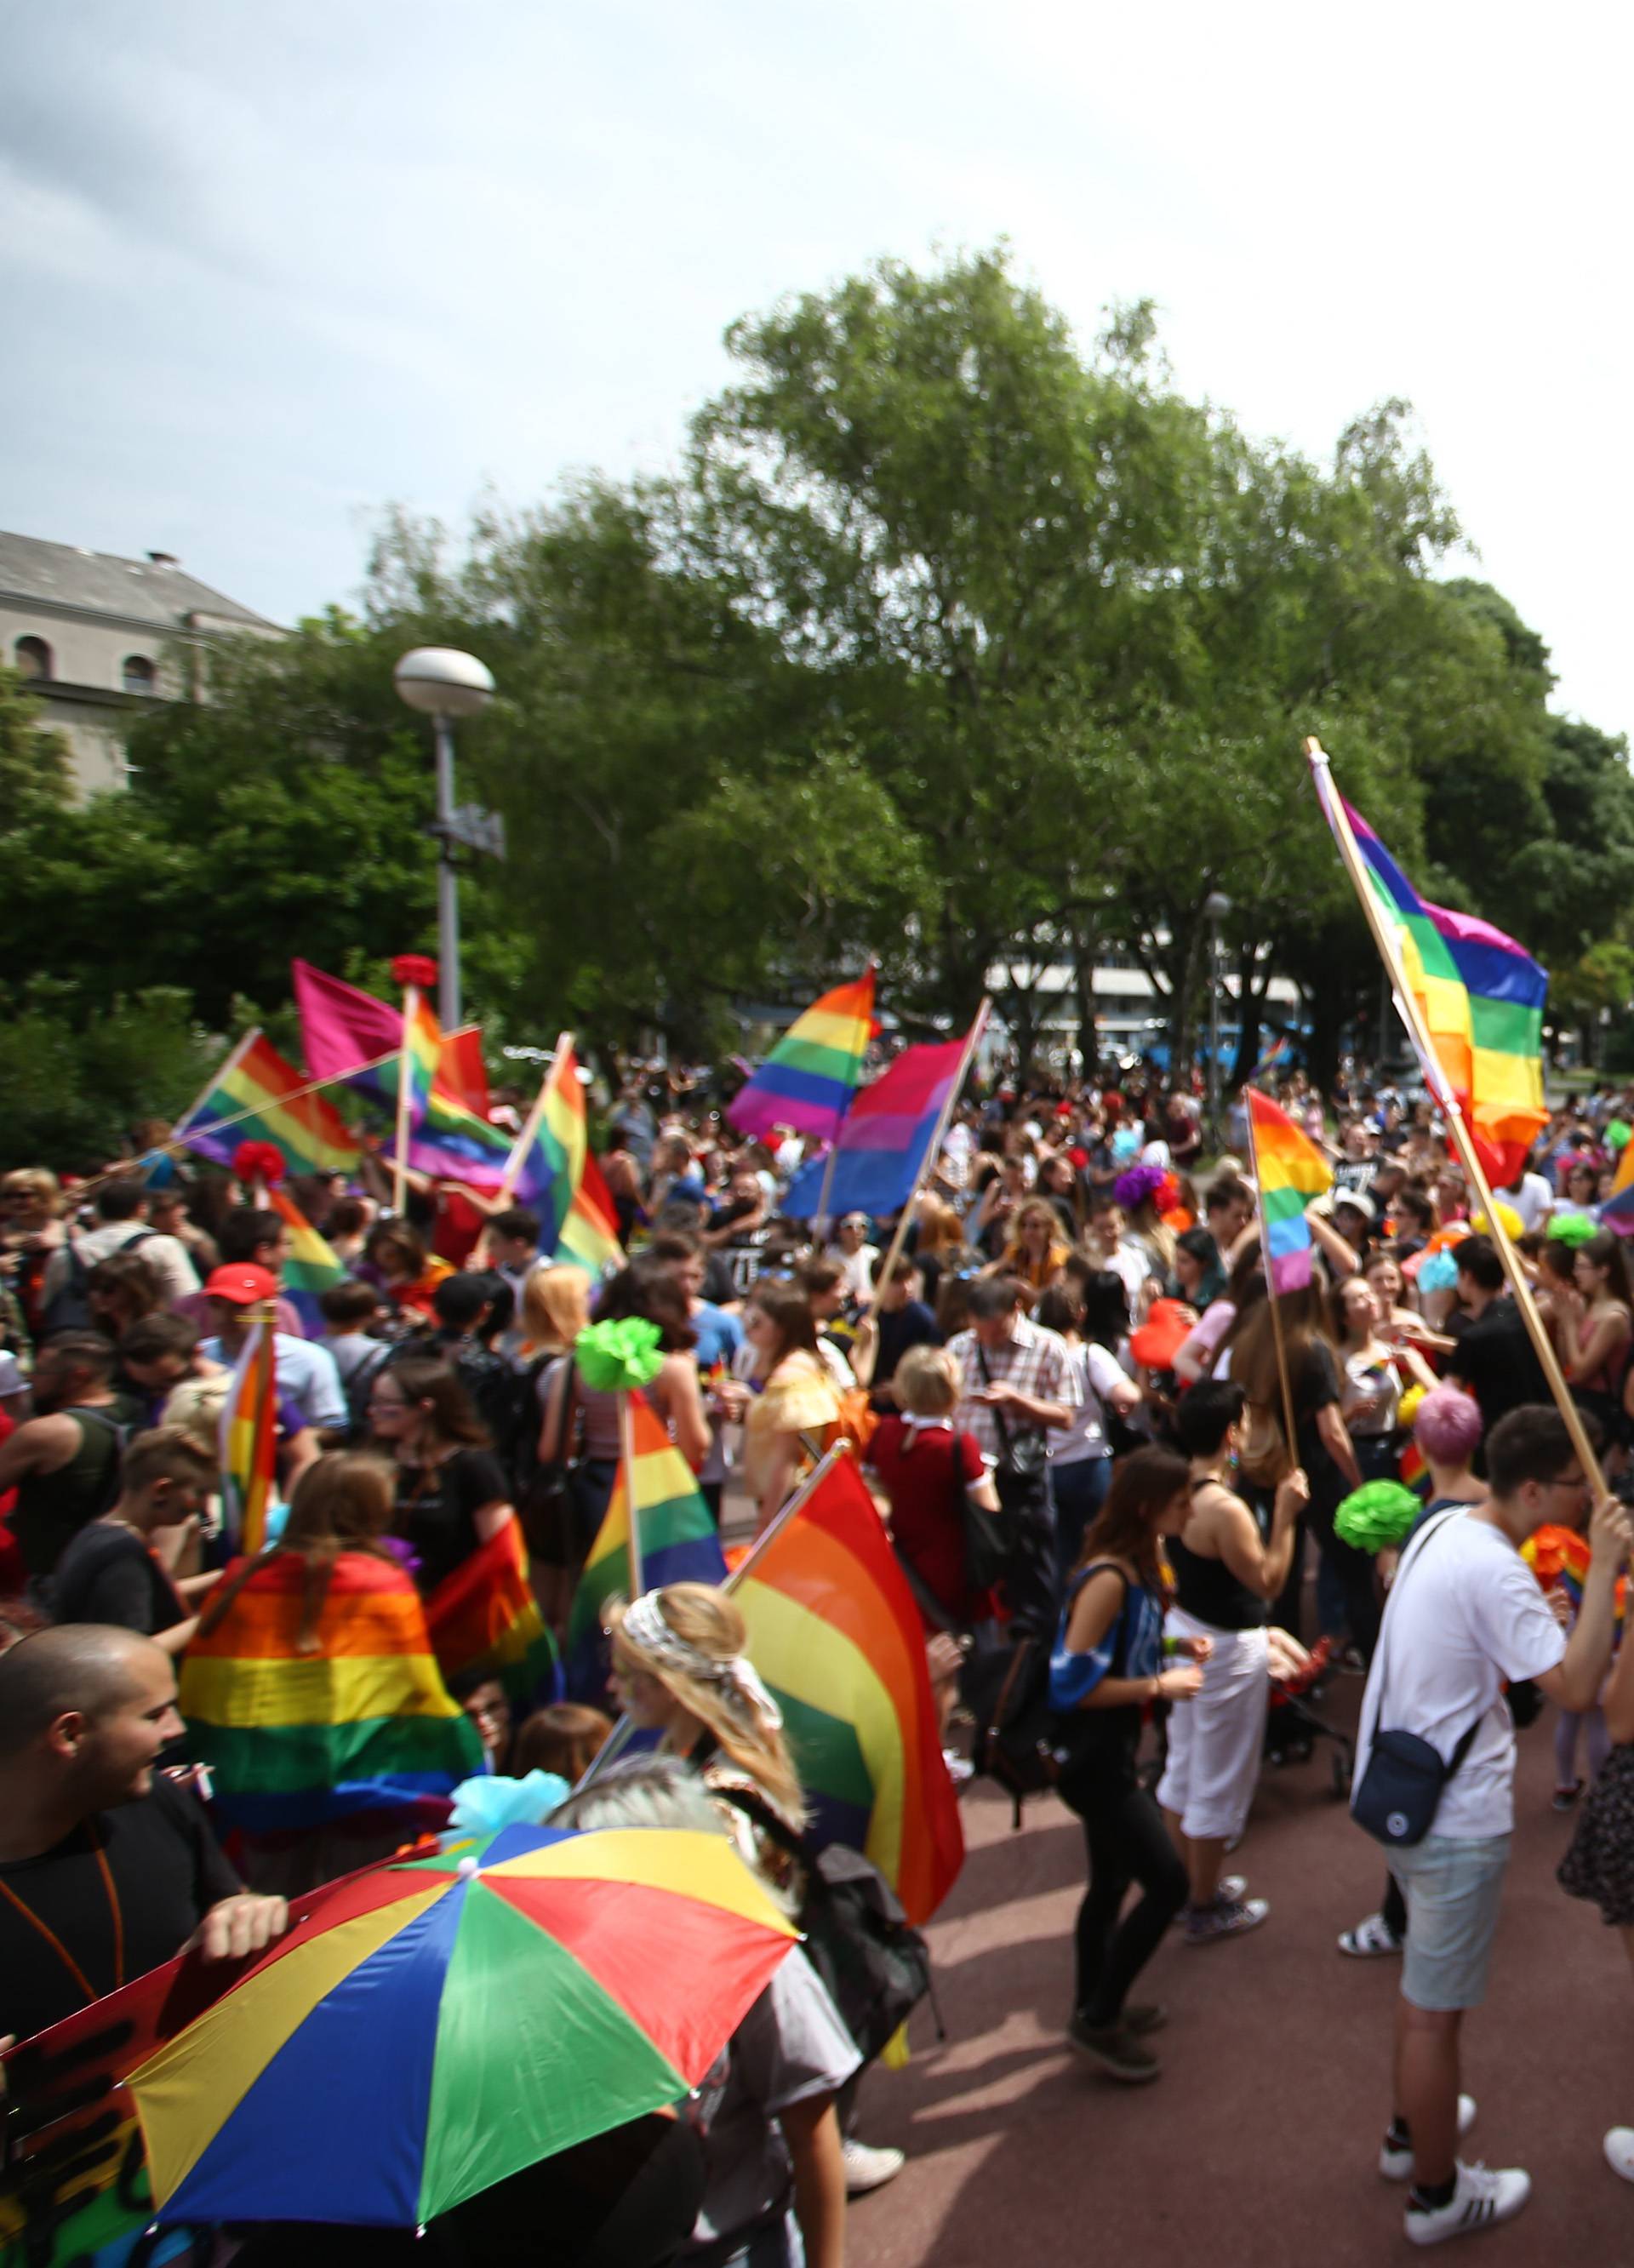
1481	996
363	1724
1559	1556
312	1267
1289	1171
483	1619
555	1170
884	1143
675	1541
449	1141
249	1441
835	1632
256	1079
809	1077
341	1027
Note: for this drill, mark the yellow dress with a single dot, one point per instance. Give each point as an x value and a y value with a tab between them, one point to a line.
797	1398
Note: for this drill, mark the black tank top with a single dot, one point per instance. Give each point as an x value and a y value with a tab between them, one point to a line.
1208	1589
53	1506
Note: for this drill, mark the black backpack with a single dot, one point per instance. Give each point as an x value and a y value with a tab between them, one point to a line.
874	1962
1006	1688
69	1308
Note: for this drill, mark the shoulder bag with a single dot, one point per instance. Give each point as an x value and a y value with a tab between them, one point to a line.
1398	1796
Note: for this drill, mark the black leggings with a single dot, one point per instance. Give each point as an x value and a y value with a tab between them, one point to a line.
1126	1843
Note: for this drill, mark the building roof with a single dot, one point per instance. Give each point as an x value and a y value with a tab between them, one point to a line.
151	591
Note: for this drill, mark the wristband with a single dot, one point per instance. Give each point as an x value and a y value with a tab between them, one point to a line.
1171	1647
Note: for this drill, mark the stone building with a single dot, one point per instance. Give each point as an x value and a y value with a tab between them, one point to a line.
96	636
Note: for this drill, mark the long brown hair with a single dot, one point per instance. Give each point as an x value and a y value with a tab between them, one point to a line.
341	1503
1144	1485
1253	1343
421	1378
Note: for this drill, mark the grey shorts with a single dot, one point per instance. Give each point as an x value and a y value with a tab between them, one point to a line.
1451	1885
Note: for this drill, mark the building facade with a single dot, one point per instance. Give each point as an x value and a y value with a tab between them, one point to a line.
96	636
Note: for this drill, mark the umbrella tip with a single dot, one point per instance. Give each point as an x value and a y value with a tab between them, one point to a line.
465	1869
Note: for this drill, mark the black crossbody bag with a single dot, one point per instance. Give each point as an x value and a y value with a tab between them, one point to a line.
1398	1796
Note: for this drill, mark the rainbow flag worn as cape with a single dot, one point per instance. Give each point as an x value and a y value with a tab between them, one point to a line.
306	1128
1289	1171
1481	996
559	1175
884	1143
483	1621
297	1740
310	1269
675	1539
809	1077
835	1633
250	1439
1560	1556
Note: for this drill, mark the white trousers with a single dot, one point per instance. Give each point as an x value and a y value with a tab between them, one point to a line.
1216	1738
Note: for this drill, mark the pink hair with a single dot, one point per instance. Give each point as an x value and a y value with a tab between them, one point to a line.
1448	1427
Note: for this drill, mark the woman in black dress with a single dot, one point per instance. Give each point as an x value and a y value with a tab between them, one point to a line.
453	1495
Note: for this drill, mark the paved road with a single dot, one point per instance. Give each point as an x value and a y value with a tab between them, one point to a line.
1258	2145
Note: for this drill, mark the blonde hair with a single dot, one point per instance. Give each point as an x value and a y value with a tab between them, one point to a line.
556	1307
31	1181
706	1620
926	1382
939	1226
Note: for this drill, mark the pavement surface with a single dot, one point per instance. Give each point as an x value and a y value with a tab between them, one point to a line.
1259	2143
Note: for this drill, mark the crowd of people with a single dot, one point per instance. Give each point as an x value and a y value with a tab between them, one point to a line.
1072	1397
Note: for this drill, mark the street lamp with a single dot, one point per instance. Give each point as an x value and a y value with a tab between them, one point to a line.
1216	906
443	684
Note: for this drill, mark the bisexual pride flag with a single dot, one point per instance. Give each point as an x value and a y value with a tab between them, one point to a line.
885	1138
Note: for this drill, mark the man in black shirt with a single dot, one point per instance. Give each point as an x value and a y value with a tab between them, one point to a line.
1494	1357
106	1869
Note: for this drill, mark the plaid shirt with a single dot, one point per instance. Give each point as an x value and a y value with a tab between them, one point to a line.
1033	1361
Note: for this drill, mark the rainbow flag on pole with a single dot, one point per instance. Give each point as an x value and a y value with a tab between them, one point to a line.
249	1441
359	1722
312	1267
835	1632
1289	1171
449	1140
553	1166
484	1620
809	1077
256	1091
884	1139
658	1530
1481	996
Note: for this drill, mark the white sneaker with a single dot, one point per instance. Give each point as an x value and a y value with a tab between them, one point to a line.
1620	2151
1369	1939
1480	2200
868	2169
1397	2165
960	1769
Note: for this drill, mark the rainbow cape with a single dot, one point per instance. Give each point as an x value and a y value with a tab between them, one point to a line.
556	1171
312	1267
809	1077
365	1724
1481	996
885	1139
249	1441
676	1541
835	1632
1289	1171
1560	1556
256	1079
483	1620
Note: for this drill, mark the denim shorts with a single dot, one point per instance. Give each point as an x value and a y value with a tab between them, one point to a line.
1451	1885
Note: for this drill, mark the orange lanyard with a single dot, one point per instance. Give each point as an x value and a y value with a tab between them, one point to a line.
55	1942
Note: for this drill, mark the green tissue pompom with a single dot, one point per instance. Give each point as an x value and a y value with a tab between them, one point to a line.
1571	1227
1617	1134
1376	1515
618	1357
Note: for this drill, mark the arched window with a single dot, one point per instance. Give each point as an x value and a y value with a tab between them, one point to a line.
33	656
139	674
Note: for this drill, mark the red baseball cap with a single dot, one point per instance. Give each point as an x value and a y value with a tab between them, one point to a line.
242	1283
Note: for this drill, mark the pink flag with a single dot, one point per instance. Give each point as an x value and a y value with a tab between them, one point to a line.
341	1027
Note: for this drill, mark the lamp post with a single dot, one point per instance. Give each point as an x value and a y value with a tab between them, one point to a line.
1216	906
443	684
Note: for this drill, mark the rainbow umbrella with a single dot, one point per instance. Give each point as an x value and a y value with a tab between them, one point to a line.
438	2024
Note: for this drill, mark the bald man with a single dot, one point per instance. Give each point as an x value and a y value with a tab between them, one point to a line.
106	1867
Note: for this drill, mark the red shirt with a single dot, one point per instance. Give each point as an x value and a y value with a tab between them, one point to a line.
924	1472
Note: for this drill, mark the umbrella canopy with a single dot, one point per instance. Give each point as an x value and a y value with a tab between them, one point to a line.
439	2024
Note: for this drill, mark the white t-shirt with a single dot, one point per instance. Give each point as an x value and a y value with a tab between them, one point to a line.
1097	1374
1533	1200
1465	1618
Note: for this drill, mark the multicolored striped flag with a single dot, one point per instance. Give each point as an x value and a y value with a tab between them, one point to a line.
809	1077
1289	1171
1480	995
255	1097
553	1168
311	1268
342	1027
885	1141
447	1139
303	1726
835	1633
658	1530
483	1621
250	1439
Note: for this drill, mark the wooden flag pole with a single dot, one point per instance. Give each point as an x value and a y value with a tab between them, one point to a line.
213	1082
627	1451
525	1140
932	1152
1272	1294
1435	1079
405	1086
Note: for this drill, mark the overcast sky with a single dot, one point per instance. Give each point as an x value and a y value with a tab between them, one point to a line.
267	268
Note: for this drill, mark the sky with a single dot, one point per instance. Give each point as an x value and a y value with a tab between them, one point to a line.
268	269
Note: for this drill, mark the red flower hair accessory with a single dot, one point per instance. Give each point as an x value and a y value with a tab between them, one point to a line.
258	1161
416	969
